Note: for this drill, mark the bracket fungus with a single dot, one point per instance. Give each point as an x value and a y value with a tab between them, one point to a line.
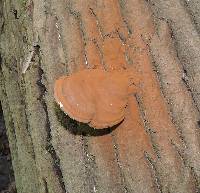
94	96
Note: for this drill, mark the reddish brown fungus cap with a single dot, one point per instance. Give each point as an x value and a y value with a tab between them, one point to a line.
94	96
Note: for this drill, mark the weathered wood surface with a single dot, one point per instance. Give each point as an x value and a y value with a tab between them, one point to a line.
156	148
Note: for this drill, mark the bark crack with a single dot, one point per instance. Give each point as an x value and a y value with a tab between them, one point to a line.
90	166
147	127
187	79
45	185
154	170
97	22
123	180
179	131
49	146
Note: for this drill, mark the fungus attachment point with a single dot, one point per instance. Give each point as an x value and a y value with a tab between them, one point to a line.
94	96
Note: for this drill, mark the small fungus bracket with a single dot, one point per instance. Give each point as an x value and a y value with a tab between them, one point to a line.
94	96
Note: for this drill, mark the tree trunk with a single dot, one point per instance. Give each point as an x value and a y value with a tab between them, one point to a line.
156	148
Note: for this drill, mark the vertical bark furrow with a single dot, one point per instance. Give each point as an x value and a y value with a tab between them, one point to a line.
59	46
132	141
41	132
10	131
184	112
155	174
194	11
186	39
23	139
156	111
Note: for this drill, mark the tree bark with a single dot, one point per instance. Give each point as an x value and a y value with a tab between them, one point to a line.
156	148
